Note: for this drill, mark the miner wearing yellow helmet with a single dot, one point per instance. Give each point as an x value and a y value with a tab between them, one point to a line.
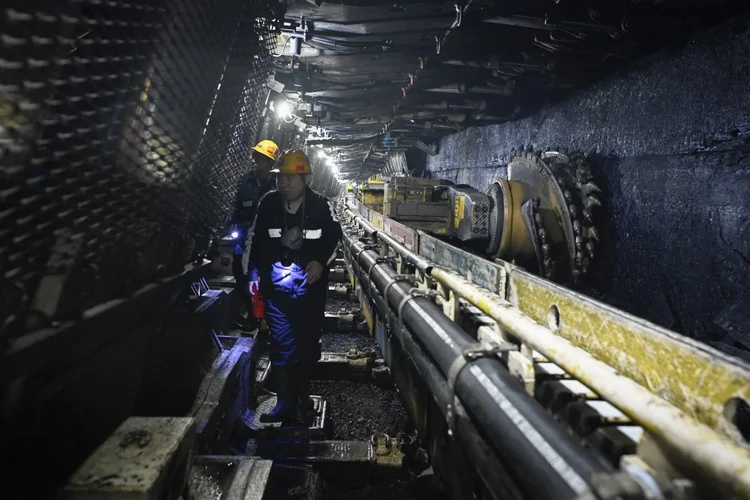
293	243
252	186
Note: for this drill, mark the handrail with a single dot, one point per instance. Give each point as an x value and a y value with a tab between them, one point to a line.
704	448
708	450
419	262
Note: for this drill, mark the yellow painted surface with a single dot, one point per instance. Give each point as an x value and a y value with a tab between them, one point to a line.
366	312
696	379
719	463
376	220
458	210
372	198
674	387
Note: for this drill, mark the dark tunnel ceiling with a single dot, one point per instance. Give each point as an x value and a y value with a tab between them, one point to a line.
373	78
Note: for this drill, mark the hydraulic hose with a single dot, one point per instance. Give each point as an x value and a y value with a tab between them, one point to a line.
412	258
485	461
723	461
524	436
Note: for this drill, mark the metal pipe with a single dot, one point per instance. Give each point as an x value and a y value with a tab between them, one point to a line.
343	323
696	441
541	24
385	26
412	258
710	452
523	434
489	468
339	290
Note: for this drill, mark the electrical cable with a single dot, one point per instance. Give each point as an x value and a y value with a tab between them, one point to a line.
283	48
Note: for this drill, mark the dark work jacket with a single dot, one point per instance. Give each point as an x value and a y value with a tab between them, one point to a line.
249	193
321	235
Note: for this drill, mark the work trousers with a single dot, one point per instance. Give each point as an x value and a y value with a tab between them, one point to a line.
296	325
240	277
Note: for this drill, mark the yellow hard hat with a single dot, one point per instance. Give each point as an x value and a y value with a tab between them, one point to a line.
267	148
293	161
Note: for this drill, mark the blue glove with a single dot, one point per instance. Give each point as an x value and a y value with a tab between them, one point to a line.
253	274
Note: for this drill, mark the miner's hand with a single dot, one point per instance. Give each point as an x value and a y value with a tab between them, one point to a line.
314	271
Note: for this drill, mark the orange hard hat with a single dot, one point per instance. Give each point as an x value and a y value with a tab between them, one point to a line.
267	148
293	161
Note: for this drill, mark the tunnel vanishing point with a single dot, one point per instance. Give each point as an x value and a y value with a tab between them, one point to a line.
541	289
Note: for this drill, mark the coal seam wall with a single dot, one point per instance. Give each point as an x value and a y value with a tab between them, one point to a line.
670	146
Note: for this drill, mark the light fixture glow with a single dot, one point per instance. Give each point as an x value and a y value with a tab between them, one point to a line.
284	109
235	235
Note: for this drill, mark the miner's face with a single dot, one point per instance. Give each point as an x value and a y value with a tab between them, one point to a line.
290	186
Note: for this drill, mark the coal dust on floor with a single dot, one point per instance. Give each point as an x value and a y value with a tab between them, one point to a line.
357	410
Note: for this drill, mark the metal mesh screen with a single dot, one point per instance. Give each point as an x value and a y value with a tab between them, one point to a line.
126	125
396	164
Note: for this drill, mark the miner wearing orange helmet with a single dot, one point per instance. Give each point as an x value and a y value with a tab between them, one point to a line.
252	186
294	240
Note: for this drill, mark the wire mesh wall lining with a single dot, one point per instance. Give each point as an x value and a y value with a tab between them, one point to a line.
126	126
396	164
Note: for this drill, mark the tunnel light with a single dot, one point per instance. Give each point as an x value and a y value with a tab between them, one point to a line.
284	110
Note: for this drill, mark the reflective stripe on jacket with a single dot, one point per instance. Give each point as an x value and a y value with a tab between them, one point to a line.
321	233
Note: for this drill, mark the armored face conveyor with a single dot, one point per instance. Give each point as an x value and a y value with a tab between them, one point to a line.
505	353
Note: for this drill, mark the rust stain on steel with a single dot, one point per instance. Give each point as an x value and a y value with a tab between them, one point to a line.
476	269
401	233
706	452
693	377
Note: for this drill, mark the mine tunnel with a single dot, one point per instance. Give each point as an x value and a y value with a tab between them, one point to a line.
262	249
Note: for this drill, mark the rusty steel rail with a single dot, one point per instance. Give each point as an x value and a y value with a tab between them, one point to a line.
689	374
694	441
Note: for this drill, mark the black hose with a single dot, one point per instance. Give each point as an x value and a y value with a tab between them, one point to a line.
544	460
489	468
411	257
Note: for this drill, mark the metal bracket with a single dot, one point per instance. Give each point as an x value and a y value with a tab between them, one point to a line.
367	352
385	451
413	293
399	278
364	249
379	260
468	355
